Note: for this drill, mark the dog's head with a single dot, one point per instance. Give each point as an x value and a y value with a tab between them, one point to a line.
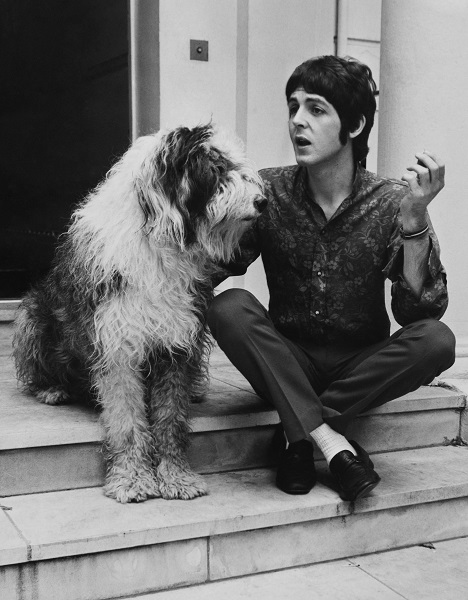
196	188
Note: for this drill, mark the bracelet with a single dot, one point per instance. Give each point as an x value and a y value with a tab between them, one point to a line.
416	234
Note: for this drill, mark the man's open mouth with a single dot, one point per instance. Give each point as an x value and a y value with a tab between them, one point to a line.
302	141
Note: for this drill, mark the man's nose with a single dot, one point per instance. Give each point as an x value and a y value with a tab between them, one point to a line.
260	204
298	118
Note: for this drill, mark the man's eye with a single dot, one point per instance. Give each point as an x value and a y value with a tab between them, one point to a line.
292	109
317	110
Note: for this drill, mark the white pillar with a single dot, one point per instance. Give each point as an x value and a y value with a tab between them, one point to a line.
424	105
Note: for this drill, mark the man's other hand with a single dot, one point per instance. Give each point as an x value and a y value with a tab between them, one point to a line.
425	179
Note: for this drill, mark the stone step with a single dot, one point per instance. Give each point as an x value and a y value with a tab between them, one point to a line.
48	448
430	572
79	544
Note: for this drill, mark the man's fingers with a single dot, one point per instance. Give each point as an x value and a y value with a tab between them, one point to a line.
435	157
434	163
425	179
419	175
420	170
411	178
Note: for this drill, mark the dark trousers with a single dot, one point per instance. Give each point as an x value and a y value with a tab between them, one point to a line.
310	384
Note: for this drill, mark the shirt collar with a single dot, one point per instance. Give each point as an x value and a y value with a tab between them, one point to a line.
305	192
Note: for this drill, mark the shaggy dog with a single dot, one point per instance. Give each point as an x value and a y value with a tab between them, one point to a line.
121	314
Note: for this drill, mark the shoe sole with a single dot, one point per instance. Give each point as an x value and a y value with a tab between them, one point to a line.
363	492
295	492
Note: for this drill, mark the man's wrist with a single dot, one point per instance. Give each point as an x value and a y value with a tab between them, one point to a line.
414	235
411	224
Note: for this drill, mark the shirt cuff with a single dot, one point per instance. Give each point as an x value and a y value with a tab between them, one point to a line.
394	268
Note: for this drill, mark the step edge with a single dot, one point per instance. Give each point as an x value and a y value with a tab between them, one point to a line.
233	525
91	431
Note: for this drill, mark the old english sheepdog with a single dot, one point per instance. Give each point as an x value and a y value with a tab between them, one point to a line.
121	315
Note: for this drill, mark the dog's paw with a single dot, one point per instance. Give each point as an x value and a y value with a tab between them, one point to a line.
176	482
131	488
53	396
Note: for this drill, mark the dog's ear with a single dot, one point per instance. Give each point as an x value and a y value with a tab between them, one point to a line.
191	174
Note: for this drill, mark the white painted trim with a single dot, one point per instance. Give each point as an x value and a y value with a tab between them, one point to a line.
8	309
342	28
132	46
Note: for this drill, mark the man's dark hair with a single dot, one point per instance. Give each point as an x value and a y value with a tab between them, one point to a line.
348	85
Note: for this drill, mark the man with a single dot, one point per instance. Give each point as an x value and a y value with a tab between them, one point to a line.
331	234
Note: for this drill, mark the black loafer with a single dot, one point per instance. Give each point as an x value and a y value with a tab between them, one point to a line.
296	469
355	474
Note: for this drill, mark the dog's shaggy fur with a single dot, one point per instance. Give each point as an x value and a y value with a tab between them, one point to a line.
121	314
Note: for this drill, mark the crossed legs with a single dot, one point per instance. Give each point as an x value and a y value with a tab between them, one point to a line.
310	385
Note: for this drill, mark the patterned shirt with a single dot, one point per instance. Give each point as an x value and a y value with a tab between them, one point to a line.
326	278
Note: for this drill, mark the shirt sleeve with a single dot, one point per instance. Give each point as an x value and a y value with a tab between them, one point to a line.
433	302
247	253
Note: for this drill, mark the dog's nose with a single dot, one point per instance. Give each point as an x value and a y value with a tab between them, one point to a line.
260	204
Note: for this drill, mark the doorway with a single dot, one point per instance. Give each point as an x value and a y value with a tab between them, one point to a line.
64	119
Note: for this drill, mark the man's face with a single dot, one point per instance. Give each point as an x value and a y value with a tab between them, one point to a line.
314	128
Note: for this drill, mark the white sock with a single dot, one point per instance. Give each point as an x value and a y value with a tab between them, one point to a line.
330	441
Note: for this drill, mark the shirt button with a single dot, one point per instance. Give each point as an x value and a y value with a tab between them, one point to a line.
317	312
319	273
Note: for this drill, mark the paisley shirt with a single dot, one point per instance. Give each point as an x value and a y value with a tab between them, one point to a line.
326	278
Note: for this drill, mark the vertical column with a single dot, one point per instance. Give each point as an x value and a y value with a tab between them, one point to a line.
423	100
242	86
242	69
144	66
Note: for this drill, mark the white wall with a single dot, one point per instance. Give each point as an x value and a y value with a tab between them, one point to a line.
281	36
193	92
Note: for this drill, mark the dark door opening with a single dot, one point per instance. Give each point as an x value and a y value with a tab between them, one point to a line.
64	119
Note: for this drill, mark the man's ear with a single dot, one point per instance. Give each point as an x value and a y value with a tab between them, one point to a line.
357	131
